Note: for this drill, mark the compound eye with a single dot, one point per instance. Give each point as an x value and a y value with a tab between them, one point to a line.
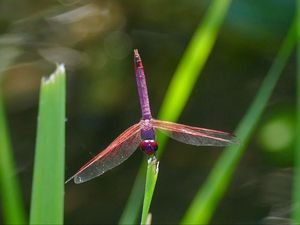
149	147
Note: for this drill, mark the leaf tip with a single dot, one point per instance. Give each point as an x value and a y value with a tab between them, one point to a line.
152	161
60	70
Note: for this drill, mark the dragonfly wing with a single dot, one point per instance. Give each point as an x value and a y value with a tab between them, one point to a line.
116	153
194	135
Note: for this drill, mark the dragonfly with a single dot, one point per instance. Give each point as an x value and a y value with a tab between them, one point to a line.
142	135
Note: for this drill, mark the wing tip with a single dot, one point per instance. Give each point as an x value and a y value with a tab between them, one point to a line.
71	178
76	179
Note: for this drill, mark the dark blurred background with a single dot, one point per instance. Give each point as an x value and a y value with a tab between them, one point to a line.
95	40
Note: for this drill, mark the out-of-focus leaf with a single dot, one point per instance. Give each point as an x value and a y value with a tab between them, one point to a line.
208	197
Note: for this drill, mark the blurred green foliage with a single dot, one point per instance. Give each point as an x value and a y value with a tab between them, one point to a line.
296	178
208	197
276	136
11	200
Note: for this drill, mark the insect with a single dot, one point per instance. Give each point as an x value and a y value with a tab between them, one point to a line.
142	135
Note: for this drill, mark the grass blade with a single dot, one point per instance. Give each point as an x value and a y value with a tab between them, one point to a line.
152	174
12	203
48	181
183	81
135	200
193	61
207	198
296	192
13	209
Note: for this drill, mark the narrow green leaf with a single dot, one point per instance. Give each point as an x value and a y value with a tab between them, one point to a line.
207	198
296	191
12	203
181	86
13	209
193	61
47	201
135	200
151	177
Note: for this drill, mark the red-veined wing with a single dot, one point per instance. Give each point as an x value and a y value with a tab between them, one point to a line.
116	153
194	135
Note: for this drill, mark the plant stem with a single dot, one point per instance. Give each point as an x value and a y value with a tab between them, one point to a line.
151	177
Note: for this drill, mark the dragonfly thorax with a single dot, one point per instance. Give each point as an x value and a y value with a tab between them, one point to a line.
149	147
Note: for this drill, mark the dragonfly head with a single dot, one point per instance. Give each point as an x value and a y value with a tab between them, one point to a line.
149	147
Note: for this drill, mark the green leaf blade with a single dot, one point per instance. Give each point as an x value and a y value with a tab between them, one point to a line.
48	181
151	178
13	208
193	61
135	200
207	198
